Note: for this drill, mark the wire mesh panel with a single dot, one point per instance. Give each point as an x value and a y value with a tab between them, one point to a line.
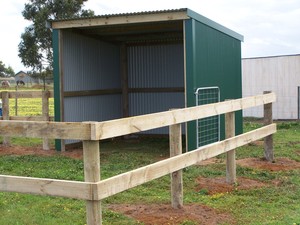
208	129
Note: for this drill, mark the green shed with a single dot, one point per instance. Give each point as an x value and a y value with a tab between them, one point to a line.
113	66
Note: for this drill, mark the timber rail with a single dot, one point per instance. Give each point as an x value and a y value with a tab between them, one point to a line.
93	190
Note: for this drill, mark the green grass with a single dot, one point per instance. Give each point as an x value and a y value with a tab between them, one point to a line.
29	107
269	205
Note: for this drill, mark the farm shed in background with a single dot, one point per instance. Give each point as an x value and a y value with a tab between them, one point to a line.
113	66
280	74
23	76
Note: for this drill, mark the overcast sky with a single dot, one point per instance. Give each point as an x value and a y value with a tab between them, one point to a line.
269	27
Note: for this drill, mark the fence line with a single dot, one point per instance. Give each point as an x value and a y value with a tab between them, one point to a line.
93	190
119	127
44	95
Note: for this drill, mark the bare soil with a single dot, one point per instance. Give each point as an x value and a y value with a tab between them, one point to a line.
151	214
260	163
219	185
18	150
165	214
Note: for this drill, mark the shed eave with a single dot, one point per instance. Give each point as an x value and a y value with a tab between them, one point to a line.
122	19
217	26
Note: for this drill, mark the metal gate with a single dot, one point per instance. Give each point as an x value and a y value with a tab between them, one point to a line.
208	129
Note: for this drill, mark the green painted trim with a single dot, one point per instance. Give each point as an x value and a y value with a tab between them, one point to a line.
190	40
57	116
214	25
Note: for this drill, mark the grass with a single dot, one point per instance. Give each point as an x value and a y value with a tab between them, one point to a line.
269	205
29	107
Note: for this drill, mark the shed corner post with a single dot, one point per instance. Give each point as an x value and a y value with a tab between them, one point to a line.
91	160
175	138
230	156
45	112
268	141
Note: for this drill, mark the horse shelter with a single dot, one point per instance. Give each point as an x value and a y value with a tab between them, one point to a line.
113	66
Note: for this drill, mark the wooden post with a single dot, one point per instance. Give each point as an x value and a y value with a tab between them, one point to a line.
45	113
91	159
5	114
16	101
230	156
176	177
268	141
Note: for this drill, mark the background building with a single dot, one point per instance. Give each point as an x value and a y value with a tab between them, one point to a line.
280	74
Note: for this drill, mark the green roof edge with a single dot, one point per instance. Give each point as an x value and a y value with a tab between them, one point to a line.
217	26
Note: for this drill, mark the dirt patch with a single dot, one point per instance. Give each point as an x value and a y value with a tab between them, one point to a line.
278	165
18	150
257	143
260	163
165	214
40	86
298	152
218	185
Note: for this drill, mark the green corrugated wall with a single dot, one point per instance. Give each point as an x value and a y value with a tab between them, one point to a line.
212	59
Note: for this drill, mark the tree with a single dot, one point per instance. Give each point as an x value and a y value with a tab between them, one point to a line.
35	48
6	71
2	69
10	72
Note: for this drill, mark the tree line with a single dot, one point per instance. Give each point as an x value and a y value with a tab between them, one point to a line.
35	48
6	71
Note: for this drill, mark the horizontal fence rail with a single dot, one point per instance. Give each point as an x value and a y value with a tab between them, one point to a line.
26	94
51	187
93	190
115	128
41	129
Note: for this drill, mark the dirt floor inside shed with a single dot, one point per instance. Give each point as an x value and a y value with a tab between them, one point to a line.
163	214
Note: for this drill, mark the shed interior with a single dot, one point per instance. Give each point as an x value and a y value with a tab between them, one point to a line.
122	70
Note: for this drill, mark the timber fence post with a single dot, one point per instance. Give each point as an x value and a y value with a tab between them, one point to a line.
5	113
91	159
176	177
268	141
45	113
16	101
230	156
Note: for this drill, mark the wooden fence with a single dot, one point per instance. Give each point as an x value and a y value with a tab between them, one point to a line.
93	190
44	95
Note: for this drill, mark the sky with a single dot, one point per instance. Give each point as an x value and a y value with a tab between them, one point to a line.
269	27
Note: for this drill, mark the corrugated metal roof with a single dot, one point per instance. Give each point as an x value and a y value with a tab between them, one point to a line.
123	14
155	17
